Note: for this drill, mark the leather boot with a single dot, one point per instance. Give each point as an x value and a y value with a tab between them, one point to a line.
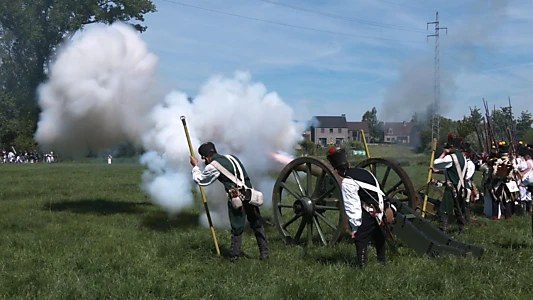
236	243
381	255
362	257
443	223
467	215
262	242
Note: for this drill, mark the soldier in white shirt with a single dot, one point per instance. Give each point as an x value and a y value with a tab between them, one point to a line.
469	180
364	207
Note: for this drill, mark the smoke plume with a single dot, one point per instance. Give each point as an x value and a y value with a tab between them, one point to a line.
103	90
413	92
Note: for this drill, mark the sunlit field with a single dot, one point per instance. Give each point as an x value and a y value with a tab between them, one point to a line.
85	230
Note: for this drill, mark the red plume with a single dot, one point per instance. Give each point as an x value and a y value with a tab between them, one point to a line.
331	150
450	136
461	138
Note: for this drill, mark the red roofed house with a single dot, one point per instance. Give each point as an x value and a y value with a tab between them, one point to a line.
399	132
354	131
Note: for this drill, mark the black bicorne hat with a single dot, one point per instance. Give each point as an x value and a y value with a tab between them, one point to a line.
338	158
523	150
206	149
503	149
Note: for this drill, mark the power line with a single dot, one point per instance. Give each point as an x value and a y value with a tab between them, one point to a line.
290	25
371	23
404	5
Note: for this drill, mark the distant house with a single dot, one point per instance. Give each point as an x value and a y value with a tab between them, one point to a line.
399	132
354	131
330	129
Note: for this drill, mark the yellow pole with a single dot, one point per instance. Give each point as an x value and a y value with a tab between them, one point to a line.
365	144
430	173
366	149
201	188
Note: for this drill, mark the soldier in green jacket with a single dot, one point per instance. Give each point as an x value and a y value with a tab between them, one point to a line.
453	164
237	214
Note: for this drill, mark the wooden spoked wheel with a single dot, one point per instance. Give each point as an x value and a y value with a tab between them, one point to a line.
307	203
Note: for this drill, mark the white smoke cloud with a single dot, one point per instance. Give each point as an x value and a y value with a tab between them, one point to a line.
103	90
240	117
99	88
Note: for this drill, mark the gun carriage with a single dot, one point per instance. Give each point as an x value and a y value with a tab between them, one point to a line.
308	207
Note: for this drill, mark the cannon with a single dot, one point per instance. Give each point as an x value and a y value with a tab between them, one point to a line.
308	207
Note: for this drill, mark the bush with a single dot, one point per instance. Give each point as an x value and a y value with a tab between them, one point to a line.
357	145
308	146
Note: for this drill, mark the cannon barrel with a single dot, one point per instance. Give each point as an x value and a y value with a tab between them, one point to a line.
315	170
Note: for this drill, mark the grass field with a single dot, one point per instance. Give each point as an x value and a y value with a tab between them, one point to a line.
86	231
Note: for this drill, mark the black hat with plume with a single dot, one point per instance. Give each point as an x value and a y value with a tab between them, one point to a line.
453	142
337	158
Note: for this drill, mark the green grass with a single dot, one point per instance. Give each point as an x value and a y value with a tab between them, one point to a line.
86	231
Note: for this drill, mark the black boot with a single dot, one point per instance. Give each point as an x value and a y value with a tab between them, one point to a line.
362	257
262	242
467	214
381	255
236	243
443	223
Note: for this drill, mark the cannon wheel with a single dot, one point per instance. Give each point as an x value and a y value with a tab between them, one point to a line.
307	197
434	193
397	181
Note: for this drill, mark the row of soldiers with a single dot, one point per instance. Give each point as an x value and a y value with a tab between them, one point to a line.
506	181
26	157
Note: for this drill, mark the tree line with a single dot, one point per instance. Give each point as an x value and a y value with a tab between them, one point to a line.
470	127
30	33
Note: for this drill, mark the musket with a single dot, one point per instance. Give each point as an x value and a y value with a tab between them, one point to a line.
513	124
492	139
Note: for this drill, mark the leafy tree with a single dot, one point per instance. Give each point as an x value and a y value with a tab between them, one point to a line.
528	137
523	124
447	126
31	30
371	117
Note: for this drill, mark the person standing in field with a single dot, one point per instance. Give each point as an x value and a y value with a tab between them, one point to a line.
364	207
453	165
239	211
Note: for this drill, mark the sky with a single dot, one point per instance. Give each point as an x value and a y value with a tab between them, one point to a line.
347	56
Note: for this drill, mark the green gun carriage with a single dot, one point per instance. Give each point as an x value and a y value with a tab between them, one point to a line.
308	207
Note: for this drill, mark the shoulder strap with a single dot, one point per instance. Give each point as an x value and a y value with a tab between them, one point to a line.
460	172
226	173
237	165
374	188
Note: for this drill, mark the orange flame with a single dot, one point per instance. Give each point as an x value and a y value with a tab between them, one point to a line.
284	159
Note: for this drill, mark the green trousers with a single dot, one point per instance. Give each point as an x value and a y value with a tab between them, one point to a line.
448	205
237	218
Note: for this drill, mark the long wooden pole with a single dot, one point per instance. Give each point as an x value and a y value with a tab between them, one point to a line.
430	173
366	149
201	188
365	144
